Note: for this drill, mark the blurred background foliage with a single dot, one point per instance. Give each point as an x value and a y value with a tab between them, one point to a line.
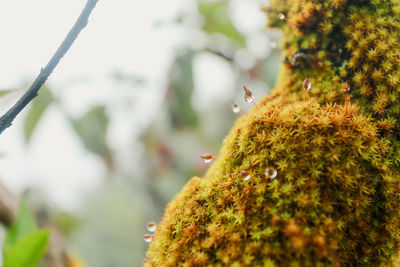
108	230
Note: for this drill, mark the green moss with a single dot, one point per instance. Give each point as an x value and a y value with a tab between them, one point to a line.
335	200
354	41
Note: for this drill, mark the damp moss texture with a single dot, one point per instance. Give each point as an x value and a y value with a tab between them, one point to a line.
336	198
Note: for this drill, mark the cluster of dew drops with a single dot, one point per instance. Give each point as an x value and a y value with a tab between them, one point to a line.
270	172
151	227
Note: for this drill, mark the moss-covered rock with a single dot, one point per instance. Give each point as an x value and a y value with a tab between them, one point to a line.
336	198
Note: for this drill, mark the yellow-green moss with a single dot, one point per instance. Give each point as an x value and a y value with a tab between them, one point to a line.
336	199
355	41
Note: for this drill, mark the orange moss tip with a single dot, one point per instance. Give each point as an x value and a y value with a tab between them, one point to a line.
249	97
275	220
73	261
207	158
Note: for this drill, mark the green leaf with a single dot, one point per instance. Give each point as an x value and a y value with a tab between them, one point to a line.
92	129
217	20
269	70
28	250
4	92
24	224
39	106
181	87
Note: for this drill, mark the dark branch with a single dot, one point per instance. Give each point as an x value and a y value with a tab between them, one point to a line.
7	119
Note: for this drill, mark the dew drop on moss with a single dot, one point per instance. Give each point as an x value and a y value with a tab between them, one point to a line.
281	16
148	238
346	88
151	226
246	175
207	158
248	95
306	84
235	107
271	172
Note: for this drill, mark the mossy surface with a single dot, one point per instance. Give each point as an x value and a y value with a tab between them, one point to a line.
336	198
338	41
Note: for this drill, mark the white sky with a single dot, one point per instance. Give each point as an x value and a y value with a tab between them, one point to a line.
120	36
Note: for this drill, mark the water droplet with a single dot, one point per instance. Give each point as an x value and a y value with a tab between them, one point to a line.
271	172
346	87
248	95
151	226
246	175
307	84
235	107
148	238
207	158
281	16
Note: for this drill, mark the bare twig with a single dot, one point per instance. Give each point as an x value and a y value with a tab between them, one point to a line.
7	119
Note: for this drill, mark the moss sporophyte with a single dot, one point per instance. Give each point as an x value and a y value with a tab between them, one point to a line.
248	96
335	197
